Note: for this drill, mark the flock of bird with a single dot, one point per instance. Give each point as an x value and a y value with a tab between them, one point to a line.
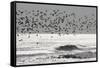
53	21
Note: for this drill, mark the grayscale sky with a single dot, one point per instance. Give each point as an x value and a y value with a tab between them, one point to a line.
90	12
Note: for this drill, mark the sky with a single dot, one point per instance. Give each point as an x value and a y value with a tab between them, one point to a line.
80	14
